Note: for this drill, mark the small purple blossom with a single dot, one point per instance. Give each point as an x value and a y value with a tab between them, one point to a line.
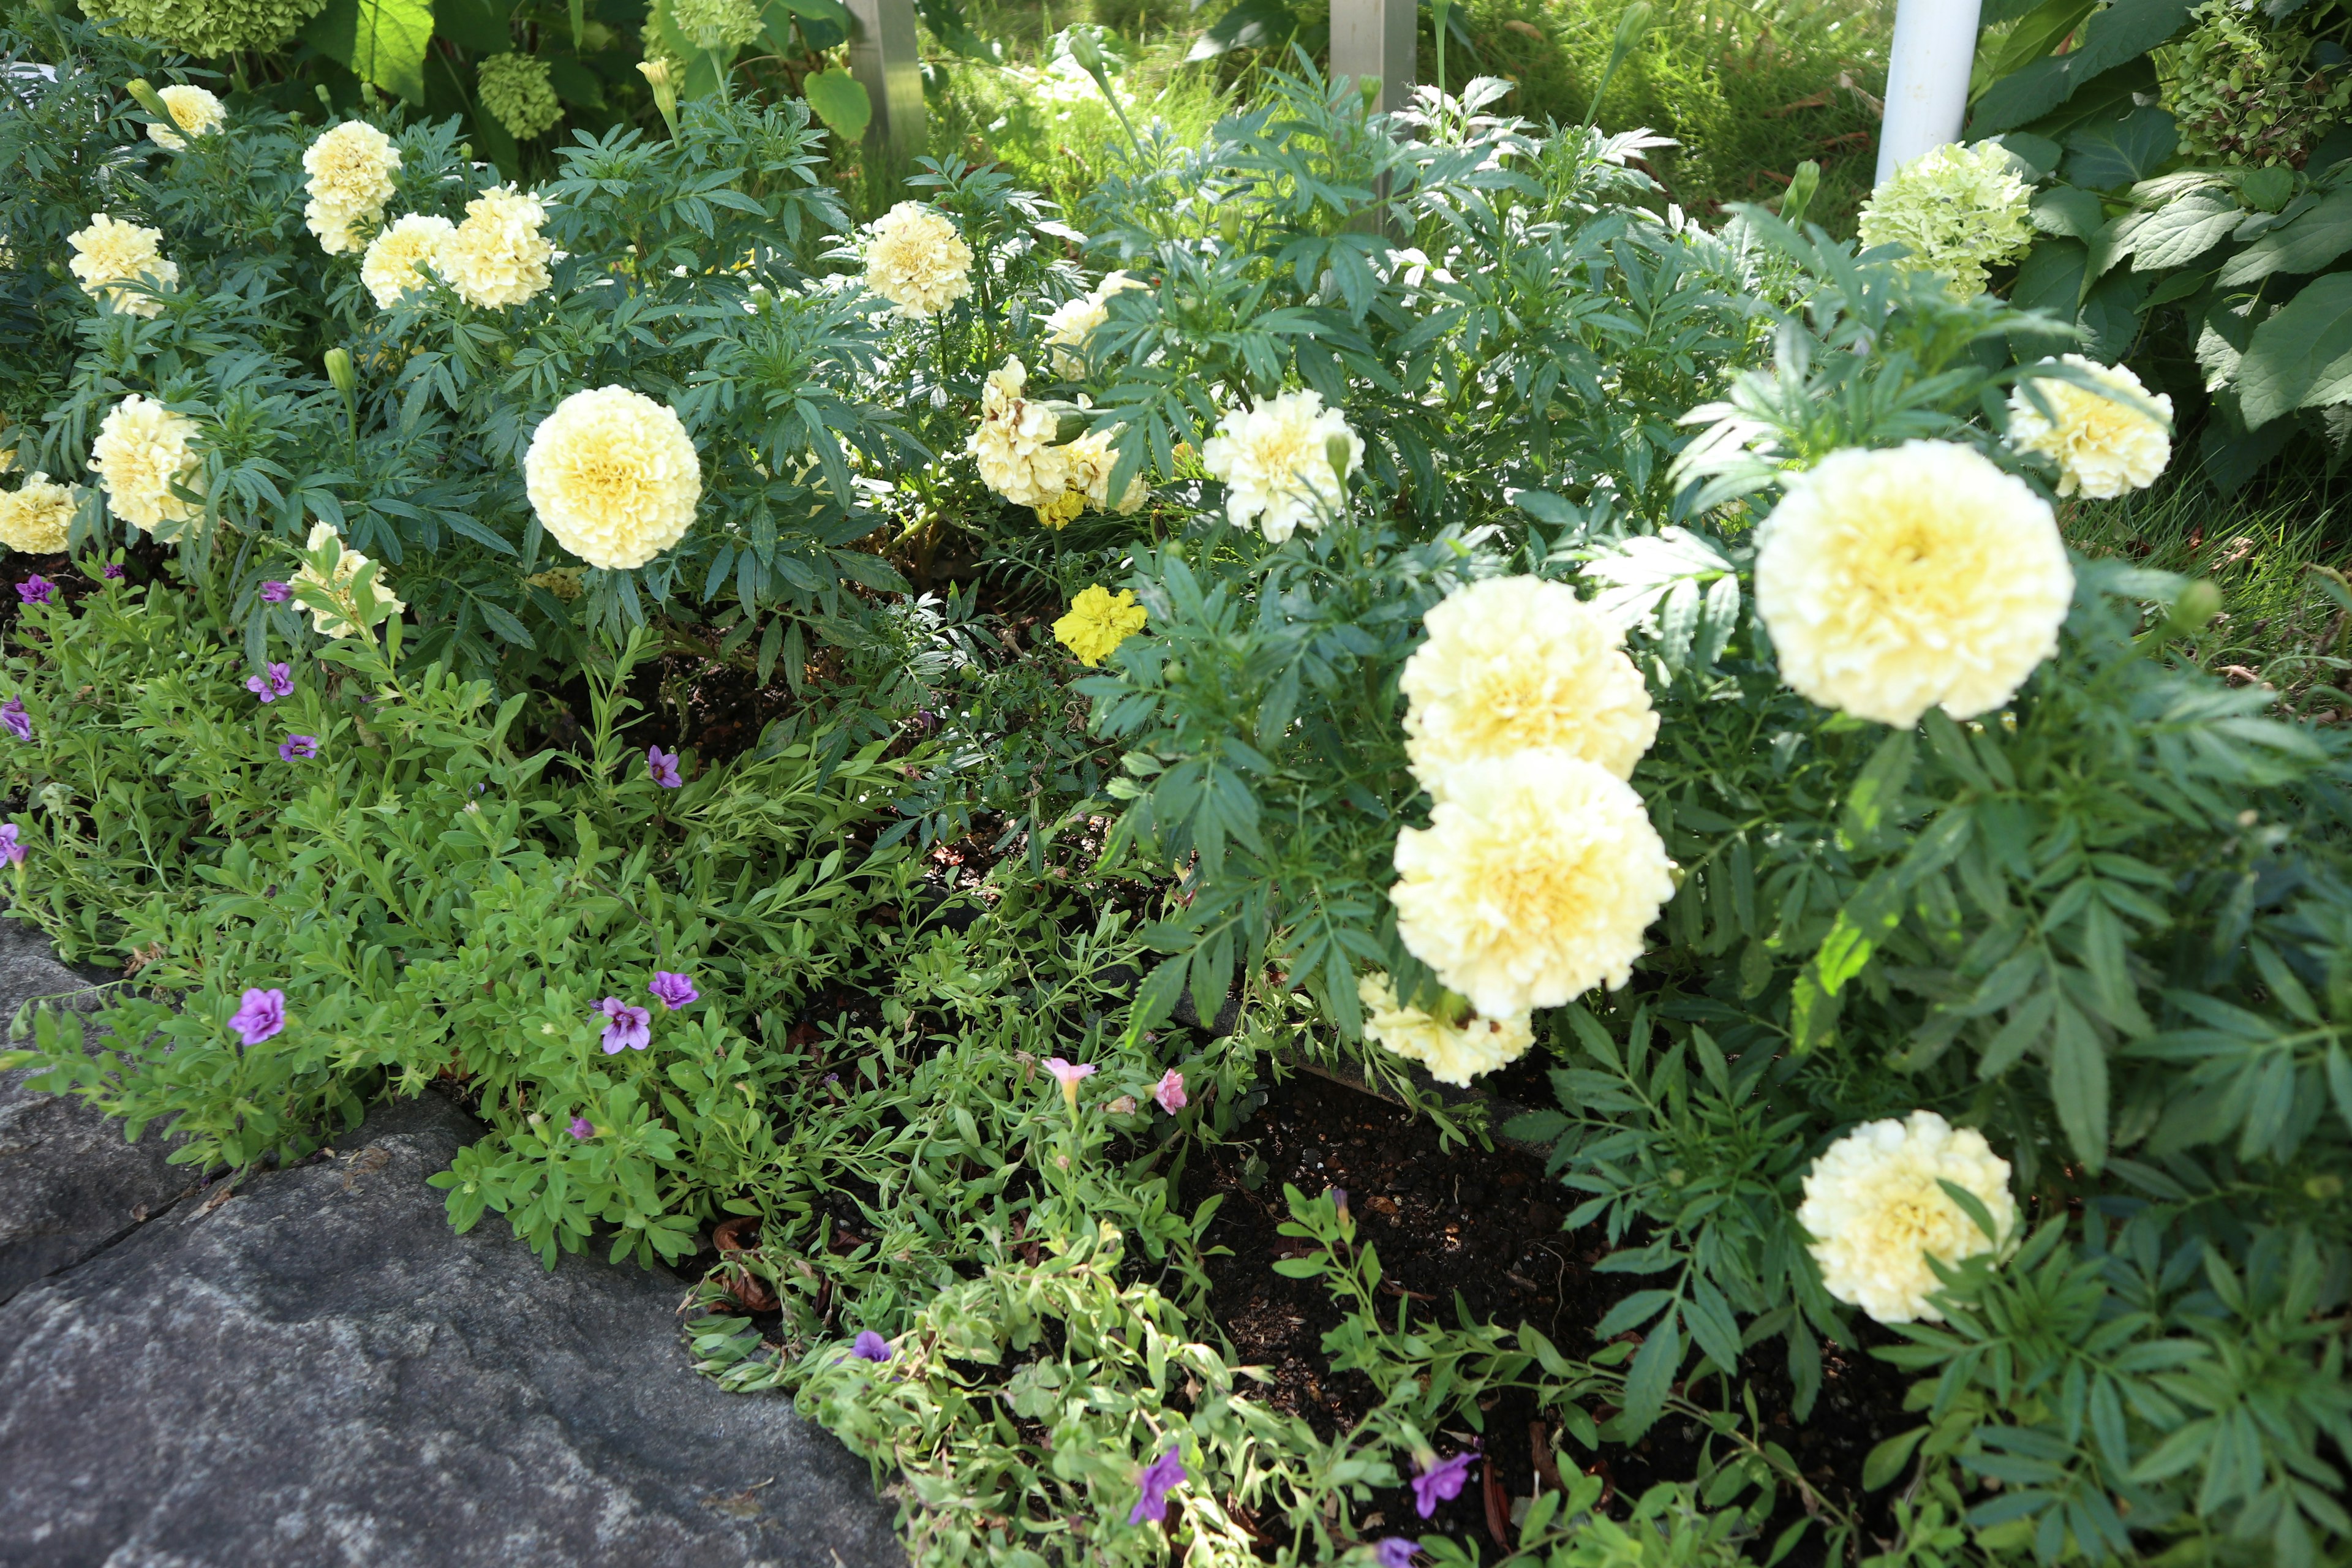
276	593
262	1015
36	590
1440	1482
1161	1477
1395	1552
111	571
629	1029
673	991
580	1128
871	1346
663	766
298	746
19	722
10	850
278	682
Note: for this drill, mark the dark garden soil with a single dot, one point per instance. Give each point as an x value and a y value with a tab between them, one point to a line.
1487	1225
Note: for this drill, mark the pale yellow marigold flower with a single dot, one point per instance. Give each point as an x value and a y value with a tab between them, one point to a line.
1453	1053
1098	623
1960	211
350	167
1516	662
614	476
389	269
2104	447
1275	461
37	518
142	450
1897	581
110	253
917	260
1073	323
338	584
193	110
1876	1213
1091	458
499	256
1534	883
1014	443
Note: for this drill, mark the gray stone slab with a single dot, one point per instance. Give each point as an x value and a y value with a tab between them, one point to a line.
317	1371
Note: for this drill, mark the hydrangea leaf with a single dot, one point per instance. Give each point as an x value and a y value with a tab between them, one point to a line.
382	41
840	100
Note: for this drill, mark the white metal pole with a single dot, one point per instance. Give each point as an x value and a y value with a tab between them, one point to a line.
1376	38
1926	78
884	57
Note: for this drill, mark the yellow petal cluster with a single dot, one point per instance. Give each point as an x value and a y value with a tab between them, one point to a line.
389	269
1876	1213
499	257
338	583
614	476
142	450
917	260
1091	458
1513	663
1534	883
1073	323
1958	211
1098	623
193	110
110	253
1015	446
1275	461
36	518
2104	447
1453	1053
1922	576
350	167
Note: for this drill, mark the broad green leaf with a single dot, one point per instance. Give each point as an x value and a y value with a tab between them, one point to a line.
2124	32
2304	245
840	100
382	41
2070	211
2311	332
479	27
1887	1460
2106	153
2180	232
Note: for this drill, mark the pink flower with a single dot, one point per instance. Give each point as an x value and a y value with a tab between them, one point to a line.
1171	1092
1068	1074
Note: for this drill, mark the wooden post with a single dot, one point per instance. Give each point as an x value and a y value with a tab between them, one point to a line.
1926	78
1376	38
885	58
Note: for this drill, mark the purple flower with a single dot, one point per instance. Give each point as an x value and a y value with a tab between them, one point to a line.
262	1015
663	766
580	1128
1440	1482
10	850
1395	1552
279	682
871	1346
110	572
629	1029
1159	1476
673	991
19	722
276	593
299	746
36	590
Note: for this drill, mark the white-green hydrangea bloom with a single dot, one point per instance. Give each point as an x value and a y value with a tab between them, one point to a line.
717	26
1960	212
210	28
517	92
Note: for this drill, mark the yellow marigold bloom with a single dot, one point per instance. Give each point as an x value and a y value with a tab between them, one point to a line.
614	476
338	583
2104	447
499	256
389	269
350	167
1897	581
1072	323
917	260
1958	210
1062	511
1876	1213
193	110
141	451
35	518
1453	1053
110	253
1534	883
1098	623
1517	662
1275	461
1014	443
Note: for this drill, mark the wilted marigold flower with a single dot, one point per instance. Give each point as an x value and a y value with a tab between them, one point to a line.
499	256
917	260
1091	458
1877	1212
1960	211
110	253
350	167
1516	662
338	583
1014	443
37	517
2104	447
1098	623
614	476
1453	1053
193	110
1534	883
1924	576
389	269
1275	461
141	451
1074	321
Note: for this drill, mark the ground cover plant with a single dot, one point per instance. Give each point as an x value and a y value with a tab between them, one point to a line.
892	761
